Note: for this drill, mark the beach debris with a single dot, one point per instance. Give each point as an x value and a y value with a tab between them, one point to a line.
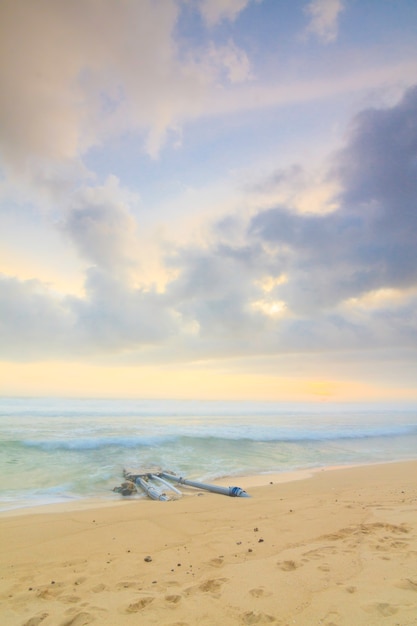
152	481
127	488
234	492
148	559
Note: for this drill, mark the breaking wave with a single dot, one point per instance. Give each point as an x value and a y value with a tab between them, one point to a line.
229	436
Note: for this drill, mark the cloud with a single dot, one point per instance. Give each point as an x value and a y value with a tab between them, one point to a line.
74	74
99	223
289	282
233	60
33	321
369	242
207	286
77	74
114	316
324	15
215	11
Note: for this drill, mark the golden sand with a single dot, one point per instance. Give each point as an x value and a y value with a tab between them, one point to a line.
338	548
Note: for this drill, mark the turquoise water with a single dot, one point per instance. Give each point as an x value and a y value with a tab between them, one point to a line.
56	450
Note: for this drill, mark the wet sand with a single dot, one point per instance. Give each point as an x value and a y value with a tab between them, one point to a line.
337	547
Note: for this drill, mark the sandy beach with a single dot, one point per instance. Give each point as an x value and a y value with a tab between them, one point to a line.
337	548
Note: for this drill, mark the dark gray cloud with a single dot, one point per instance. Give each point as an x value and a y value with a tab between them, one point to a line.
369	243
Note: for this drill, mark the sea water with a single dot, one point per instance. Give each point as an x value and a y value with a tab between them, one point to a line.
57	450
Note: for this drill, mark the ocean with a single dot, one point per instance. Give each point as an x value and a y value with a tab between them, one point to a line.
62	450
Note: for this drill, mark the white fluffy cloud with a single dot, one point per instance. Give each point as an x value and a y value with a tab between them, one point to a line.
324	16
216	10
368	243
235	62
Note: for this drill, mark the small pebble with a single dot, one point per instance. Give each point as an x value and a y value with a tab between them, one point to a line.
148	559
260	541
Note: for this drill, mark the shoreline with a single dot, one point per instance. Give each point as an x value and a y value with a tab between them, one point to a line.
246	482
336	548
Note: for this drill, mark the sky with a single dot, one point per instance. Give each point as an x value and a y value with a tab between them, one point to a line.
211	199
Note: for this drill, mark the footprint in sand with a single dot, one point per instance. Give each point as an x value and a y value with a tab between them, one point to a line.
98	588
366	529
260	592
70	599
331	619
324	568
319	553
382	608
44	593
399	545
139	605
288	566
212	585
36	620
218	562
257	618
393	528
173	599
81	619
125	584
408	584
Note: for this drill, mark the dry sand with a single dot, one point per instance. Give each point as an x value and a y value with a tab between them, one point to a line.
337	548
